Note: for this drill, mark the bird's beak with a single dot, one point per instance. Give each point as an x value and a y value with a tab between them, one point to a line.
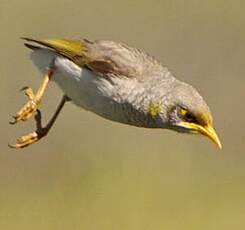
207	130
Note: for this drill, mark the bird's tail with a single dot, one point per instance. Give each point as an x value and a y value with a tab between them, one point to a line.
65	47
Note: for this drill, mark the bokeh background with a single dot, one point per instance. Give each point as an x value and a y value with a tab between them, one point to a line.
91	173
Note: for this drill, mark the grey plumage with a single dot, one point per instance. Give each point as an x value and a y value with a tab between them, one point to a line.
123	84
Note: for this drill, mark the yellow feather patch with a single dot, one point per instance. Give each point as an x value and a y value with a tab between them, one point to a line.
154	108
66	46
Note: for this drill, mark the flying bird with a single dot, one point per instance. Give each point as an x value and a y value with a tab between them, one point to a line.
117	82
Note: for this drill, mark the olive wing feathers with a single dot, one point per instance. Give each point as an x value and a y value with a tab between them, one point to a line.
102	56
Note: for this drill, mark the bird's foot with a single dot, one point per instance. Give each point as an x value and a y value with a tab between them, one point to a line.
34	100
29	108
33	137
41	131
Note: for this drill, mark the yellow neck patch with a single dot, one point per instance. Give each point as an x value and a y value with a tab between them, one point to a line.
154	108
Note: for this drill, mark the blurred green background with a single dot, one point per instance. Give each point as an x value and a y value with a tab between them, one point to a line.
93	174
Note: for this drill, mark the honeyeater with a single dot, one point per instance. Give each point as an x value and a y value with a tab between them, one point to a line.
117	82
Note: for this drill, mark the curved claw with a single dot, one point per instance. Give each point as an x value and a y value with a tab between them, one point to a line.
24	88
17	146
14	121
28	92
13	146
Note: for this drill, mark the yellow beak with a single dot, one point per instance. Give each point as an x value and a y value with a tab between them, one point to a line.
205	130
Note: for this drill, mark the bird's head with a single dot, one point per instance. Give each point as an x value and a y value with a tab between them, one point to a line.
188	112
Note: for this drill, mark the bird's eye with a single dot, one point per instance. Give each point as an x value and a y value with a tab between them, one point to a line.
187	116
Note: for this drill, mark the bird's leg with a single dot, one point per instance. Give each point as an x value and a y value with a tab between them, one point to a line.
34	100
40	132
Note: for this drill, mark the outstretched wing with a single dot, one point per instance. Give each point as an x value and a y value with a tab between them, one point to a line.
103	57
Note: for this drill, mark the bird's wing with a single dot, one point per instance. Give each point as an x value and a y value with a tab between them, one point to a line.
104	57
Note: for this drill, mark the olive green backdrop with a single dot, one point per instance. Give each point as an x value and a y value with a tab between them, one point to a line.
90	173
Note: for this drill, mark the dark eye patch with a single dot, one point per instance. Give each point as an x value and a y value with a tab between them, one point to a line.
190	118
187	116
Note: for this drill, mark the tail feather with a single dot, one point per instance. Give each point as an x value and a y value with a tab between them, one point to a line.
71	49
32	46
68	48
42	43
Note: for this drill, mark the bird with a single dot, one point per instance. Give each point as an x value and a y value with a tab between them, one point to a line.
115	81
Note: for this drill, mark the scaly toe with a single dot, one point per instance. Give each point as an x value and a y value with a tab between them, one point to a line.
25	112
26	140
